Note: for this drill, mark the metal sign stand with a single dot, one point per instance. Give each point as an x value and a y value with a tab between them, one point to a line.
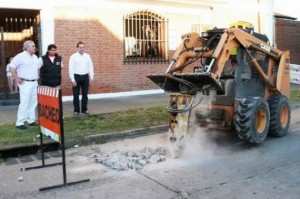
43	158
63	158
62	144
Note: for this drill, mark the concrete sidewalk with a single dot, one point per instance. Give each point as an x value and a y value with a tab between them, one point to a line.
8	114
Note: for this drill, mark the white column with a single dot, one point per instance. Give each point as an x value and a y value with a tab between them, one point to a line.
47	27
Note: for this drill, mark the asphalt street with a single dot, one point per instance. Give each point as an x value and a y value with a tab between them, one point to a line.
215	164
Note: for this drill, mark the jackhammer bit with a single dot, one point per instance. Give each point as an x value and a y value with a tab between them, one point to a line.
178	122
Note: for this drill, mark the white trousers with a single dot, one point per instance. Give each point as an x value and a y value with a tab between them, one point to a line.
28	102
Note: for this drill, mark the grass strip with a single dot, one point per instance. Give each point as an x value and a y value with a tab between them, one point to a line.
79	127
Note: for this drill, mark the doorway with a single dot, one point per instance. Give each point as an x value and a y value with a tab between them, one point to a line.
16	26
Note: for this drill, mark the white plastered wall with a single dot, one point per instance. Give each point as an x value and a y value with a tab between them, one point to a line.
257	12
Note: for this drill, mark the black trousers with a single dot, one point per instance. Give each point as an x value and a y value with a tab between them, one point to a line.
83	83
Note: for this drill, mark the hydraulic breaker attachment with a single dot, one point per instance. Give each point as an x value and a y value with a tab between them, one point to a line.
183	89
179	109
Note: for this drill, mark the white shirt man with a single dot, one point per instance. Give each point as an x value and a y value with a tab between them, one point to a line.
81	72
25	69
81	64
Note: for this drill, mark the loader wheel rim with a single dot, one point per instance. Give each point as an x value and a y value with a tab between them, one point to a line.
284	116
261	120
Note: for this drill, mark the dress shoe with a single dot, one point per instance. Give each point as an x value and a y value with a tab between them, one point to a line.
33	124
86	113
22	127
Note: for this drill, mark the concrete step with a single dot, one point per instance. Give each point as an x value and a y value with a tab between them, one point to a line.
9	96
10	99
9	102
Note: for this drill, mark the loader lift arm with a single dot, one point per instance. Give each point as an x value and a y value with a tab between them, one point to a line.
194	47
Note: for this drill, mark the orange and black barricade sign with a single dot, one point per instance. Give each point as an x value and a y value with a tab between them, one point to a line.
49	114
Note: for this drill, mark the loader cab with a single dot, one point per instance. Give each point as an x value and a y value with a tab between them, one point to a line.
230	65
247	80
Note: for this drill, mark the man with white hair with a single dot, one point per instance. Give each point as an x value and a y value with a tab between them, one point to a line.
25	69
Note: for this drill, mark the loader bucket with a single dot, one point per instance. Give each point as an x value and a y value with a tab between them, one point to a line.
185	83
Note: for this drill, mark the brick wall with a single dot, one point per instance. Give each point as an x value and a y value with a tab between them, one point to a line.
102	33
287	37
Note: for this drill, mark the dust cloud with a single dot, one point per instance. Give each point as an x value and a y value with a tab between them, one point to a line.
202	143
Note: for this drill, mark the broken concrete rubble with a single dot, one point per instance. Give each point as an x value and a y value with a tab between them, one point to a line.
130	159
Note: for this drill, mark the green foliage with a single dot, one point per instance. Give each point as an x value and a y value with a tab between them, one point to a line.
78	127
295	96
11	135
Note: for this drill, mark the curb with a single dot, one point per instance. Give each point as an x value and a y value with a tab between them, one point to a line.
33	148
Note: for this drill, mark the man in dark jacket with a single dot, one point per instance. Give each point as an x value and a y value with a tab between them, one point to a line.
51	65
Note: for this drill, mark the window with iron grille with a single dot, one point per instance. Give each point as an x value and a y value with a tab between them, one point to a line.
145	38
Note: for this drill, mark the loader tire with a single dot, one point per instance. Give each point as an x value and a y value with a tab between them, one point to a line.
280	116
252	120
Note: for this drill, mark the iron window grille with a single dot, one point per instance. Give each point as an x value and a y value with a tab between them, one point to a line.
145	38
